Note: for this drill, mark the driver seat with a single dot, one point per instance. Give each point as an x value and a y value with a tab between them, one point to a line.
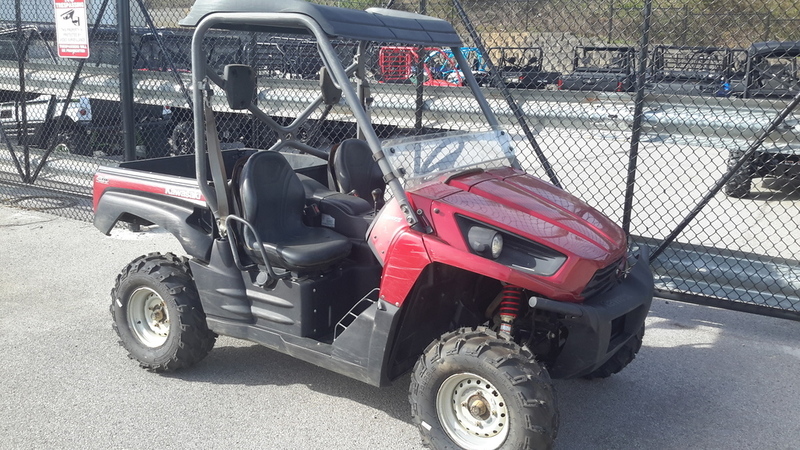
272	201
355	172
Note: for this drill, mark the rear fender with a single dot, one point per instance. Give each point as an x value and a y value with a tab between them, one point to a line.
187	221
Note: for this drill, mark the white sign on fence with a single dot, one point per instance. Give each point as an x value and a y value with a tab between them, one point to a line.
72	31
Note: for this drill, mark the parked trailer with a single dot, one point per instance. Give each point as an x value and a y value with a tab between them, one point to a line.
522	67
684	70
605	68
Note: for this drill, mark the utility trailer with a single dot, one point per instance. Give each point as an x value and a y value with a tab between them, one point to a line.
430	252
602	69
523	67
683	70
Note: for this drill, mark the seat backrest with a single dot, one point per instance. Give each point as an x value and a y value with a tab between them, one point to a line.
272	196
354	171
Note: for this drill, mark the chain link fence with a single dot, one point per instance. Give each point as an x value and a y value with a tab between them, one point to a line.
676	121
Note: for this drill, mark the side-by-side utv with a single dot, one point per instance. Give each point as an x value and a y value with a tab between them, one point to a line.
425	252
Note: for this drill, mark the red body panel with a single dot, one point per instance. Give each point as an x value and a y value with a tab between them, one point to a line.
400	249
106	178
510	200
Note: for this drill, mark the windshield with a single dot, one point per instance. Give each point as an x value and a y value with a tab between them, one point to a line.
421	158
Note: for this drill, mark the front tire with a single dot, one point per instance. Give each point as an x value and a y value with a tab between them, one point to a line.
472	389
740	183
157	314
624	356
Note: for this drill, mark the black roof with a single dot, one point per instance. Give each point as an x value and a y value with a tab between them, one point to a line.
775	48
695	49
374	24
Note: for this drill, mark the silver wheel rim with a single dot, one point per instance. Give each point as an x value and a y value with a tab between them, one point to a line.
472	412
148	317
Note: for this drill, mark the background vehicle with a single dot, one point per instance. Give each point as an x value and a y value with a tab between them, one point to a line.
694	70
89	123
31	48
448	67
522	67
428	252
772	71
399	64
40	111
609	69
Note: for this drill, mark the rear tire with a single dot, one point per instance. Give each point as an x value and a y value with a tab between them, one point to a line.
73	140
474	389
157	313
182	139
621	359
739	185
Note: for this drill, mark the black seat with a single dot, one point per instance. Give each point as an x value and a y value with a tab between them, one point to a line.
273	200
355	172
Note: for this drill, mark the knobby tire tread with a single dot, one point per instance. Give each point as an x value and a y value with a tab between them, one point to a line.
514	363
195	340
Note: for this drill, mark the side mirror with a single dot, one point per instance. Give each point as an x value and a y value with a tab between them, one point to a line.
240	85
330	93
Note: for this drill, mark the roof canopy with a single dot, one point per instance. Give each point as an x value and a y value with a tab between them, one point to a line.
775	48
374	24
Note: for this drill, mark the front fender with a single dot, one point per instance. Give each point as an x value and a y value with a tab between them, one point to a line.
182	218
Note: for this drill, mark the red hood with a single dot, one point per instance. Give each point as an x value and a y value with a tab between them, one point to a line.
537	210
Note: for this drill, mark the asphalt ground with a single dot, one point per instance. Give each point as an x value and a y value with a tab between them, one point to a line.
705	378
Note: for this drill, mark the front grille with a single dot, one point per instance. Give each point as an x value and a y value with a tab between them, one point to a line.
604	279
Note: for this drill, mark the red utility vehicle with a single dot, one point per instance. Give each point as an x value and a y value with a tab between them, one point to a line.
432	253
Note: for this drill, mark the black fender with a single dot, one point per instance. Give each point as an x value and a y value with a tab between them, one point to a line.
187	221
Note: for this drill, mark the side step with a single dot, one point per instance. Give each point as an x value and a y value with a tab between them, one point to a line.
370	299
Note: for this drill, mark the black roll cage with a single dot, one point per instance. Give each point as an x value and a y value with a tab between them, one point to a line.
323	23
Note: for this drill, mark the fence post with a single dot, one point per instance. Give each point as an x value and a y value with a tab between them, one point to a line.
685	24
126	78
420	98
610	21
637	116
23	133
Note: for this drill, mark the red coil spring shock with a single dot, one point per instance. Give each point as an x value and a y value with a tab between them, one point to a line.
509	307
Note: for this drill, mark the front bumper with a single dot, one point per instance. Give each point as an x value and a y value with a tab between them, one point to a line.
604	323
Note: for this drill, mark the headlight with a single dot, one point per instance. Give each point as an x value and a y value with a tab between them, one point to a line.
485	242
497	245
509	249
